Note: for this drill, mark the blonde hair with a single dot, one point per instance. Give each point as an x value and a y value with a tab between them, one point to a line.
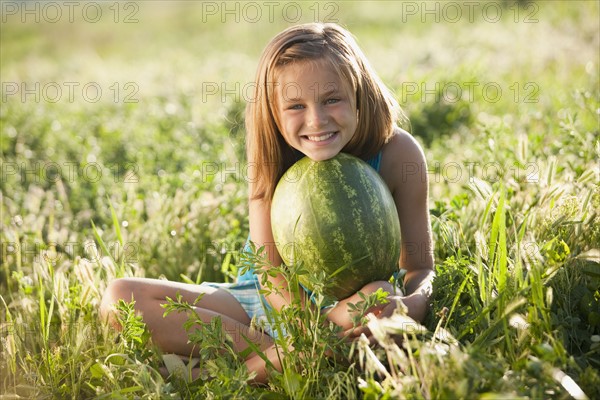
268	153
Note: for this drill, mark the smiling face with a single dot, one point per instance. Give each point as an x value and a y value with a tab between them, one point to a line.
316	111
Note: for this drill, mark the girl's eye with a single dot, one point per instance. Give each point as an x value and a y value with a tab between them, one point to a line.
296	107
331	101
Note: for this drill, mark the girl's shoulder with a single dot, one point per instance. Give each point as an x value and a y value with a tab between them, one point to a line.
402	160
402	148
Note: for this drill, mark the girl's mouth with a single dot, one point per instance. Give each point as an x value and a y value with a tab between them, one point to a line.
320	137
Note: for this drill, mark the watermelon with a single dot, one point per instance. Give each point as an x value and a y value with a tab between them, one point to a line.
336	216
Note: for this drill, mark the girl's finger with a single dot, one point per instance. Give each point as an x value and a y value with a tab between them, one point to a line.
354	333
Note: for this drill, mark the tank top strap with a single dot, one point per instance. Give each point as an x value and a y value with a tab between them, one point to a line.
375	161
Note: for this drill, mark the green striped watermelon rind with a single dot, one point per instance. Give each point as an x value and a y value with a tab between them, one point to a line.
354	244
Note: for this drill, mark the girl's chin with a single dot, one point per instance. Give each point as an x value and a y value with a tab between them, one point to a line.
320	157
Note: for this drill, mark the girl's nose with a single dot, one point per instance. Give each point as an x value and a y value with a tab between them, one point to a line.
317	117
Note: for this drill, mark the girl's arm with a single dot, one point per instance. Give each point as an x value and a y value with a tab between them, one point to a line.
407	175
262	235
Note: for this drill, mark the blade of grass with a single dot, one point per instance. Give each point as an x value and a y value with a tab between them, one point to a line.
498	254
456	300
483	337
115	221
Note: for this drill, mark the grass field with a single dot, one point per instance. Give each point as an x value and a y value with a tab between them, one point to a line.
122	147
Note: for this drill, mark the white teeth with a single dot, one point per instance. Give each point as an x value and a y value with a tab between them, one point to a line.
320	138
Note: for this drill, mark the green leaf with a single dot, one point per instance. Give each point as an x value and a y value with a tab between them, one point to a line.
97	370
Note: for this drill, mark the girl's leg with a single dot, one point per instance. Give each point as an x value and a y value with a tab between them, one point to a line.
168	332
254	363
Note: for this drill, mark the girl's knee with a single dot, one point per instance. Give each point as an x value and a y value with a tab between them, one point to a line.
372	287
119	289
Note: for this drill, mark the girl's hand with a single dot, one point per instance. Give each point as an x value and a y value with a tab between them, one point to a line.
415	304
379	311
342	314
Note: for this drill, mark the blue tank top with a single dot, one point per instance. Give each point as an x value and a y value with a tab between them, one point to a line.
374	162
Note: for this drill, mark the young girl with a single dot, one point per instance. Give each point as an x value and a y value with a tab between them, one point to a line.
316	95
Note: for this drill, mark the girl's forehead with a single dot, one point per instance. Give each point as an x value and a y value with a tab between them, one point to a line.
309	73
305	67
